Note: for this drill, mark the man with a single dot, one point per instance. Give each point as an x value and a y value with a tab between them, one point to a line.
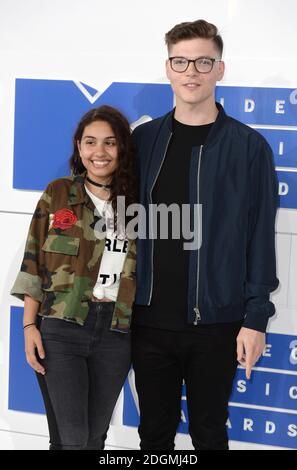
200	311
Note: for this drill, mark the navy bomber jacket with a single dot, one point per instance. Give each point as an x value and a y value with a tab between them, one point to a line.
233	177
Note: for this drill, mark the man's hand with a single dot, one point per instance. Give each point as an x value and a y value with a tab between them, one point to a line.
250	345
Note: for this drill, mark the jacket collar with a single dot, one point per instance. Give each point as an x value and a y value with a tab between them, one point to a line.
215	130
78	194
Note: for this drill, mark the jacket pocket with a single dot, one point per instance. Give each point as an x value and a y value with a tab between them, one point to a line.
61	244
60	255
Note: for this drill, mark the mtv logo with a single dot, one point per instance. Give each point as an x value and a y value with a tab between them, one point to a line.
48	111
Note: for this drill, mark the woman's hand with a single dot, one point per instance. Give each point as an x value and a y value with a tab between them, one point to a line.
32	342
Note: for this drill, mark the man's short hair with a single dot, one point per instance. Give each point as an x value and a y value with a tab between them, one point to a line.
194	29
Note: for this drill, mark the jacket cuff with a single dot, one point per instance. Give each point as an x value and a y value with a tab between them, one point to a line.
121	318
27	284
256	321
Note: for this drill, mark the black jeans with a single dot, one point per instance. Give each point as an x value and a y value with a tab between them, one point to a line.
206	361
86	367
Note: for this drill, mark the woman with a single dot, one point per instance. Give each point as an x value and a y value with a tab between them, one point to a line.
78	284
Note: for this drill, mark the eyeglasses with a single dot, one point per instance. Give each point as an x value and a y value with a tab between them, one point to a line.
202	64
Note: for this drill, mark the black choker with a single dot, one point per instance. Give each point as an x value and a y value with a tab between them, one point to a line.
99	185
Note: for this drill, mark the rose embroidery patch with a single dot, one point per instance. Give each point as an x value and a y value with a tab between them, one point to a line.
63	219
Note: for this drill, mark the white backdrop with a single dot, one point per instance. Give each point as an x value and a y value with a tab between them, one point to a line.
73	40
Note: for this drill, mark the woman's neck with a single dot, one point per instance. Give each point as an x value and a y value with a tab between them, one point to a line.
101	193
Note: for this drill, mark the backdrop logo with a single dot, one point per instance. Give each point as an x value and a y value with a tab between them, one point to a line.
47	112
273	113
46	115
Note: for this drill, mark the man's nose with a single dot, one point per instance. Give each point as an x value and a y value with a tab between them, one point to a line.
191	70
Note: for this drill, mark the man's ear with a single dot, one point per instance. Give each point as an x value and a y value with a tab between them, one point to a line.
167	67
221	70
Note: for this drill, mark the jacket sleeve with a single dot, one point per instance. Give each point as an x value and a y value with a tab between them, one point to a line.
260	256
29	279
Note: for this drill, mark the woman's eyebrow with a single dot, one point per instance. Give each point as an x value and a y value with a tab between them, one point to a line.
93	137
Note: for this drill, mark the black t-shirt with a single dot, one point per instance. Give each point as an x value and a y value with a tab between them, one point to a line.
168	309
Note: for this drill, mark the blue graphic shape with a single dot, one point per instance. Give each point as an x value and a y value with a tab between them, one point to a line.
284	146
24	393
288	189
281	352
46	116
275	109
47	112
276	390
263	427
91	90
265	105
130	413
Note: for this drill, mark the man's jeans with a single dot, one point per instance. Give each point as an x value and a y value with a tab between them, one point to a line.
206	360
86	367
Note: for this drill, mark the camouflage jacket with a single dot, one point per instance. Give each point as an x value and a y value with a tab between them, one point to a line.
62	260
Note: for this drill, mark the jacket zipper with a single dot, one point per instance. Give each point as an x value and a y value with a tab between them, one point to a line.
196	308
152	255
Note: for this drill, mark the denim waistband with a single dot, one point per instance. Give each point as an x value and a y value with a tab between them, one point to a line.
101	307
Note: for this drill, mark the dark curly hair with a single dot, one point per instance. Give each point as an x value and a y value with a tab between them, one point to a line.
124	178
